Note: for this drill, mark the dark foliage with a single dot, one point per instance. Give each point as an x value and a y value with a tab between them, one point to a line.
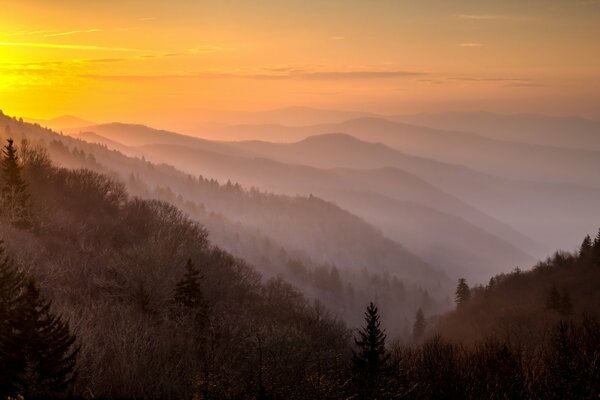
37	350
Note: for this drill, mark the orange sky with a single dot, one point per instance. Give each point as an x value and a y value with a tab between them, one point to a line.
175	61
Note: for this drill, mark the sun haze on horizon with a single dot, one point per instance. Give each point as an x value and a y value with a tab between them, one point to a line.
175	63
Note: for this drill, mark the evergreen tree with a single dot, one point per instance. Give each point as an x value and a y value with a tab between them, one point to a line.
44	352
370	361
37	353
13	192
596	250
565	306
187	291
553	299
585	251
11	288
463	293
419	325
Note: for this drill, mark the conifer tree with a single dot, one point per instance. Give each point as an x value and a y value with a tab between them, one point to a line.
370	361
37	352
419	325
565	306
462	294
188	292
11	287
553	299
585	251
596	249
13	192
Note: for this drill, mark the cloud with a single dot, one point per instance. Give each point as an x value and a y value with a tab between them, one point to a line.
471	44
480	16
271	74
496	17
67	46
338	38
28	33
334	75
71	32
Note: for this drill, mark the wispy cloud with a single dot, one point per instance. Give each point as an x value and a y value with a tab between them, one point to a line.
29	33
271	74
471	44
480	16
338	38
71	32
496	17
67	46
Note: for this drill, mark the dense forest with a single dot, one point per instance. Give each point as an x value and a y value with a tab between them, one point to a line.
107	295
296	237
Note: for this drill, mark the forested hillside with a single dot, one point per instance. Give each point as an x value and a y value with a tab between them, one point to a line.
298	238
521	304
148	325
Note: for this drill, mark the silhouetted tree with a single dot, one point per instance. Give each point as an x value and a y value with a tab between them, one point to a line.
187	291
370	361
585	251
11	287
596	249
419	325
13	192
553	299
37	352
565	306
463	293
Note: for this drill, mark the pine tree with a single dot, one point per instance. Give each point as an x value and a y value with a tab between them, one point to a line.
13	193
44	348
188	292
11	288
565	306
370	362
596	250
37	353
553	299
462	294
585	251
419	325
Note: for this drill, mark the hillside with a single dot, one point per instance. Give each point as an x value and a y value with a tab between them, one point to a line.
503	158
295	237
521	304
110	264
567	132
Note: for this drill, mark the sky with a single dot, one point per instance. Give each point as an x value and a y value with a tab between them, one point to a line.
179	61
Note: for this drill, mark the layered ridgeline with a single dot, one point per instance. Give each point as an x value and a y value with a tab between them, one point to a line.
156	310
144	306
329	253
390	191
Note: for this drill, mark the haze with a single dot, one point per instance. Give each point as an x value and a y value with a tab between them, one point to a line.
300	200
173	64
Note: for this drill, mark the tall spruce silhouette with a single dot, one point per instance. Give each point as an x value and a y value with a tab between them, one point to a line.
419	325
463	293
37	350
188	292
370	361
13	191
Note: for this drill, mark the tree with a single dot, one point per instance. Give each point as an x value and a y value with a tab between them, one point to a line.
419	325
565	306
13	193
553	299
11	285
188	292
370	361
462	294
585	251
596	249
36	346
